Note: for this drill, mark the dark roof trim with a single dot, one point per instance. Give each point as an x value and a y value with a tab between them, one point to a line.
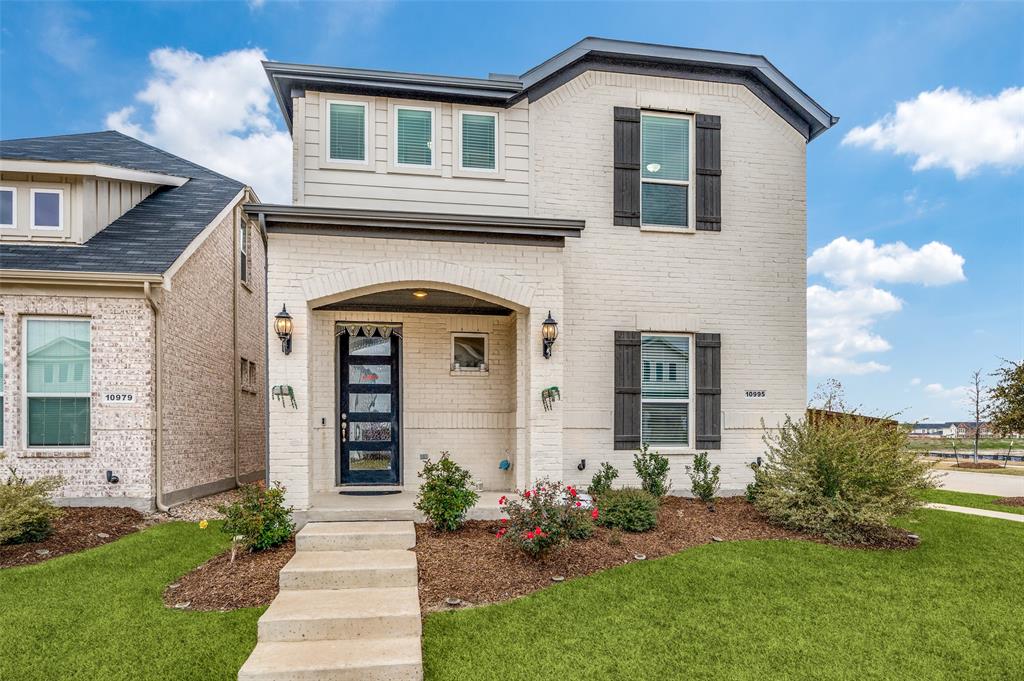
753	71
385	224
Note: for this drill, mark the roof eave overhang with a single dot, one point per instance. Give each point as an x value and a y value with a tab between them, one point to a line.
74	278
415	226
102	170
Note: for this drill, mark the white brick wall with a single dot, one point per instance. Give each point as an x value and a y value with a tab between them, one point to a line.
746	282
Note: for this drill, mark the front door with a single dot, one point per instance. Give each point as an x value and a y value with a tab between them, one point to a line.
368	422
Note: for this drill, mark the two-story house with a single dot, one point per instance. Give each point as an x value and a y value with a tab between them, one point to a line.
132	322
624	222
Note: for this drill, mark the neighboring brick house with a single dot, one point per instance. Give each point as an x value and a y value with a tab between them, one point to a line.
133	313
650	199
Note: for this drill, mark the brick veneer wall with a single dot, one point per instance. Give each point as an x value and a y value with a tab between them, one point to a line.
121	437
199	370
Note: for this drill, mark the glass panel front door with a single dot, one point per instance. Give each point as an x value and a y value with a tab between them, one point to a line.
368	409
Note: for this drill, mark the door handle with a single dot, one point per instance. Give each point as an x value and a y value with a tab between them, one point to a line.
344	427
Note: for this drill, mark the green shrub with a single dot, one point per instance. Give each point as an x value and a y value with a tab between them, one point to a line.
629	509
602	480
544	517
26	511
652	469
260	517
753	488
844	477
704	478
446	494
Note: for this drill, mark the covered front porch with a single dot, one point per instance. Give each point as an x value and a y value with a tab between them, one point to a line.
334	507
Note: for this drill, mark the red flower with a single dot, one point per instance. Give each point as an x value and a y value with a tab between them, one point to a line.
501	533
572	490
526	494
504	521
529	535
537	530
593	514
501	500
578	504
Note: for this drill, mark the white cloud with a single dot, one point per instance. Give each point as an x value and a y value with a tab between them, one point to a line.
849	262
63	41
915	381
957	393
839	328
948	128
216	111
256	4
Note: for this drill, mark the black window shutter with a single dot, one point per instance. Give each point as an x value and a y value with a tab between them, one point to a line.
709	173
627	167
709	391
627	390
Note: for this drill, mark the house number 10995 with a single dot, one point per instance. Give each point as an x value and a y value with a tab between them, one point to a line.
756	394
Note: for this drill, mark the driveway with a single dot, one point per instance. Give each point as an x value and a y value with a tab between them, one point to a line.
983	483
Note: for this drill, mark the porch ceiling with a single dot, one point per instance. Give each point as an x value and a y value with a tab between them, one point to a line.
403	300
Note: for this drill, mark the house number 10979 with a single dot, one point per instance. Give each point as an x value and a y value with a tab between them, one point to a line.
118	398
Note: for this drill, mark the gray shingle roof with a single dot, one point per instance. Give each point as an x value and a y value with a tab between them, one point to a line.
149	237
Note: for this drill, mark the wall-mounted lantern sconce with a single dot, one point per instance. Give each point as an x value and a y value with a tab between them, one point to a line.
549	331
283	327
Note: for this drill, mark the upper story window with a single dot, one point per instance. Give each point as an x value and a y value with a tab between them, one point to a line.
665	390
8	207
666	162
479	141
47	209
348	136
243	251
414	136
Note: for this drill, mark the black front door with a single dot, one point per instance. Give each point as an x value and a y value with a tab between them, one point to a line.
368	409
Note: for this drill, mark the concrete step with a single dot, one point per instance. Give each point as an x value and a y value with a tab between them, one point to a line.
349	570
356	536
395	659
315	615
346	515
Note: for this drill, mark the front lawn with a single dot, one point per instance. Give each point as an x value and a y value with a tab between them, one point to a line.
99	614
969	499
763	609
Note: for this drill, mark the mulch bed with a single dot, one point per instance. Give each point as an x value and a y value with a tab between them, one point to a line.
472	565
1010	501
981	465
219	584
76	530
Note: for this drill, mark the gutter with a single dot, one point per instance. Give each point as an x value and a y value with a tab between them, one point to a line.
158	389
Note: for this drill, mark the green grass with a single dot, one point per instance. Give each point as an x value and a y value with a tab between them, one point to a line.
963	445
98	614
949	609
945	496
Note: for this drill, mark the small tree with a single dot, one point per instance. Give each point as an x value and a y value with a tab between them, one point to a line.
977	399
1006	399
704	479
652	469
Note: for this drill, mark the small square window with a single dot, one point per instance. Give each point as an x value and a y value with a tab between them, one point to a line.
48	209
8	206
469	352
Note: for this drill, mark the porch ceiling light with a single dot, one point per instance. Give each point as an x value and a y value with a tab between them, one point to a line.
283	327
420	294
549	332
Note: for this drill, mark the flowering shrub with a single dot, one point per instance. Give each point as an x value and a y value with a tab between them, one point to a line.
546	516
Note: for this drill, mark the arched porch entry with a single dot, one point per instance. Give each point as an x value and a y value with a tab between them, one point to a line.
409	360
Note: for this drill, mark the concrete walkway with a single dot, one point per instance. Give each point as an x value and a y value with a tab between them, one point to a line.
1014	517
983	483
348	609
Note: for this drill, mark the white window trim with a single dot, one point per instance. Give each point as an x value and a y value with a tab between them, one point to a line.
244	236
671	449
32	210
433	137
13	224
367	164
366	131
691	208
487	354
25	392
497	143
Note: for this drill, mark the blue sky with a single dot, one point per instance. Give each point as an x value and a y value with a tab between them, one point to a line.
900	326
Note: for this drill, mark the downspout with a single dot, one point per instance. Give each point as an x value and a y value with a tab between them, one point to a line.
235	357
266	350
158	390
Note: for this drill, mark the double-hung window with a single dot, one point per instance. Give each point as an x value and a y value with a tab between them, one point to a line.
347	138
414	137
665	390
665	170
479	141
57	382
243	250
47	209
8	207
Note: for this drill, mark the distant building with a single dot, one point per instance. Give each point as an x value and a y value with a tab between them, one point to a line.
934	430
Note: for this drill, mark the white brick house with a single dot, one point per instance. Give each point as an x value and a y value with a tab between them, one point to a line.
132	322
650	198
